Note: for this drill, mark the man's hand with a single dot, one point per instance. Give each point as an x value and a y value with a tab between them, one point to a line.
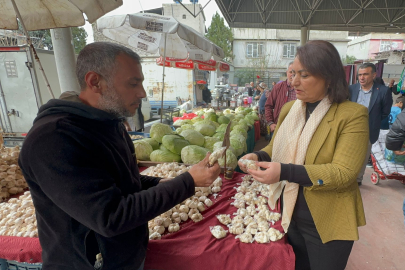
165	180
272	127
202	174
270	176
249	157
391	83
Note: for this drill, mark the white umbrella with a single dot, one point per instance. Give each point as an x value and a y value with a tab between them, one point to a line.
49	14
157	34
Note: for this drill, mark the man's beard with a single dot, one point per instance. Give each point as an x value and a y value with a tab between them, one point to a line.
111	102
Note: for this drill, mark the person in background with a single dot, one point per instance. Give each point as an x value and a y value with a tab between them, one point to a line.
394	88
395	140
258	92
251	89
396	109
313	160
262	102
384	122
82	170
377	98
281	94
206	94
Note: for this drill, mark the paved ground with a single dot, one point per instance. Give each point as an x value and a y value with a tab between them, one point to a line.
382	240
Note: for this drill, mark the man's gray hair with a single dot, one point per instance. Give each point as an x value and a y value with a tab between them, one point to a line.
366	65
289	64
100	57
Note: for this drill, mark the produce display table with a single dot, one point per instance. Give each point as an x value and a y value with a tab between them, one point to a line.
193	247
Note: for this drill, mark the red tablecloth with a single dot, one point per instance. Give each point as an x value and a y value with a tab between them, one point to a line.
193	247
257	130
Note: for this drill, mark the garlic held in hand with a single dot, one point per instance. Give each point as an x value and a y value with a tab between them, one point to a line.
224	219
218	232
216	155
250	164
174	227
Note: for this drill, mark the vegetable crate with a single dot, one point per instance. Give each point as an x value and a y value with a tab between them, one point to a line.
13	265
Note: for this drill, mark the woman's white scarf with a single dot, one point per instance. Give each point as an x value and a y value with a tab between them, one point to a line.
290	146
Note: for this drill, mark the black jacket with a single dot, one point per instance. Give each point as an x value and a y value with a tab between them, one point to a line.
89	197
378	109
396	136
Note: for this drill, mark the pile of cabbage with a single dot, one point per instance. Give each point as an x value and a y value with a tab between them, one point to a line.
193	138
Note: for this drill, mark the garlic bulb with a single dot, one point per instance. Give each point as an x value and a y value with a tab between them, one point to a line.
208	202
216	155
159	229
218	232
245	238
201	207
274	234
155	236
224	219
236	229
174	227
183	216
196	217
262	237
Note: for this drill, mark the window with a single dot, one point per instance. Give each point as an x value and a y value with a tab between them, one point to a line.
362	45
254	49
289	50
11	69
385	46
184	16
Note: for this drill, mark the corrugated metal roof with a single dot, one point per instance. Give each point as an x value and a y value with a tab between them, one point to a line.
338	15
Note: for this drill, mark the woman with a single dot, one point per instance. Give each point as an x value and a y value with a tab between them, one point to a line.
318	148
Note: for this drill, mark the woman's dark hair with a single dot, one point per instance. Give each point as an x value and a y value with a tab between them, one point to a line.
321	59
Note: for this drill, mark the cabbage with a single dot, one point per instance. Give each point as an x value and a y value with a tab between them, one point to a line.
152	142
158	130
182	111
142	150
222	128
250	120
227	111
179	130
205	129
218	145
223	120
241	132
193	137
233	124
187	126
237	145
239	117
209	143
162	147
254	116
219	135
193	154
174	143
231	160
219	113
164	156
241	126
196	119
181	122
230	116
245	122
200	113
210	116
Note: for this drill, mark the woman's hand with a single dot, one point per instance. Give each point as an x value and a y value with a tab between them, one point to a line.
270	176
250	157
399	153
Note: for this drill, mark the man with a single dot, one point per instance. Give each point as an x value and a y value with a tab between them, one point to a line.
81	167
377	98
251	89
281	94
206	94
394	88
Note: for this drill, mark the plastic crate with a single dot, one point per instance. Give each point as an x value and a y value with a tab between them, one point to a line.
13	265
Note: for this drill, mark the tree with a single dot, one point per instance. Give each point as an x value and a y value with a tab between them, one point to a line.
221	35
42	38
349	59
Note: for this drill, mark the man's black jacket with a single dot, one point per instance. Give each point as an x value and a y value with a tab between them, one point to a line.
89	197
396	136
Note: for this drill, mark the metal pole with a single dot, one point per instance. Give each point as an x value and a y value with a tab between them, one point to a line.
32	47
65	59
304	35
163	86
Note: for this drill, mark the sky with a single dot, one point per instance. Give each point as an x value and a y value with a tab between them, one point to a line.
134	6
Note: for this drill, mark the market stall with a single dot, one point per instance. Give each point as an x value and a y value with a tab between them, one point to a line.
192	247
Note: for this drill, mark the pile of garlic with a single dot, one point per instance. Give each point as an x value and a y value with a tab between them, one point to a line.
167	170
11	179
17	217
253	219
191	208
